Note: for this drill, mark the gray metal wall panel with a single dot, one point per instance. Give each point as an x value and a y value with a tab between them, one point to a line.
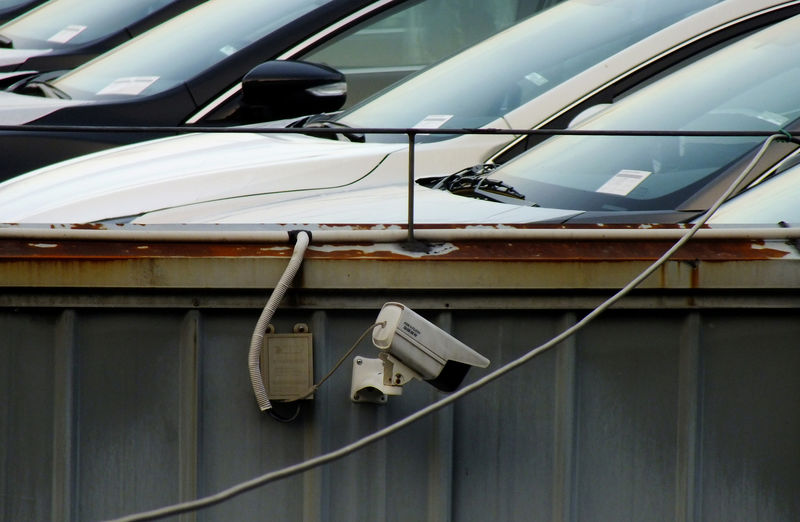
627	409
127	411
26	429
751	417
504	438
647	414
236	445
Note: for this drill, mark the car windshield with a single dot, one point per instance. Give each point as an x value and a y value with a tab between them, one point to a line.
68	23
180	48
747	86
8	4
498	75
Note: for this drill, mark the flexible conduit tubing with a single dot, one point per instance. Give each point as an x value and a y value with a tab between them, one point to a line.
399	235
257	340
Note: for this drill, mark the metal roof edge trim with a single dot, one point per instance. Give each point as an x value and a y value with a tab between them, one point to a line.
477	233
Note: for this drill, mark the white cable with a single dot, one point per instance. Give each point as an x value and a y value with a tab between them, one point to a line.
257	340
446	401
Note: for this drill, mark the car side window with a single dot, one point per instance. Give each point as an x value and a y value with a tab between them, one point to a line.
385	48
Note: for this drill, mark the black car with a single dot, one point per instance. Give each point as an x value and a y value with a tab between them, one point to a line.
13	8
62	34
190	69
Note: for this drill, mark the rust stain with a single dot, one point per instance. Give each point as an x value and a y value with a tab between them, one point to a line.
87	226
695	275
534	250
716	250
133	250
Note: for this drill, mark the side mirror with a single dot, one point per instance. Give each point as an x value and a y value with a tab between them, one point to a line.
287	89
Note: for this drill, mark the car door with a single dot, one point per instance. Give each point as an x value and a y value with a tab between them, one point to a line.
376	50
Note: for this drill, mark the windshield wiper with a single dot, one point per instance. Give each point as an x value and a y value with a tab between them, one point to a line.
6	42
475	183
324	121
49	90
39	85
39	88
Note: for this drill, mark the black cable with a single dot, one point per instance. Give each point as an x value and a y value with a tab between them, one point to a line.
336	366
382	130
280	418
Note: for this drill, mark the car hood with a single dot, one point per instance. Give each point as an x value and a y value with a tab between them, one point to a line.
18	56
19	109
179	171
385	204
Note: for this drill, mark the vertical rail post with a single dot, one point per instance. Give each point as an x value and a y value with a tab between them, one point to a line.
411	139
412	244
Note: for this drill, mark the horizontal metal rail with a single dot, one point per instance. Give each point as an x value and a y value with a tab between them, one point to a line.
410	131
411	235
489	233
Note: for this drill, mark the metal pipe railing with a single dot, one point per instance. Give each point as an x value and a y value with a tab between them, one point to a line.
412	236
489	233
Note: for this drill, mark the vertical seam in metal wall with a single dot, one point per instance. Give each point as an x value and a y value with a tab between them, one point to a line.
315	482
189	410
688	419
64	422
5	426
564	424
440	481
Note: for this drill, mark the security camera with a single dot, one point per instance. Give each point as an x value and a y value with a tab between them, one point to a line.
411	348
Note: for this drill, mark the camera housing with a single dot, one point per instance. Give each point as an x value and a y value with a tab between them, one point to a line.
411	347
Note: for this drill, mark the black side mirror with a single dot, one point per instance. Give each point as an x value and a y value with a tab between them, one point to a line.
287	89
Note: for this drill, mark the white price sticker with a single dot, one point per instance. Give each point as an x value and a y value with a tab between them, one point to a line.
536	79
228	50
132	85
67	34
434	121
623	182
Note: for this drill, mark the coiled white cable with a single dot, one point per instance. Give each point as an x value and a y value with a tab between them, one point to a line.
257	340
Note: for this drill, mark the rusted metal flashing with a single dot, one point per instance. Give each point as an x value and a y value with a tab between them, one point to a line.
457	265
508	250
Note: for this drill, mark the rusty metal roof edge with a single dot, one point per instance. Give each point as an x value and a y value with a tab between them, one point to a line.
381	233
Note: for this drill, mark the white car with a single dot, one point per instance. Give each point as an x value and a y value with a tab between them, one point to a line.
494	84
747	86
771	202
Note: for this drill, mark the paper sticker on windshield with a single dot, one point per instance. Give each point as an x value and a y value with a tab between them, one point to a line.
773	118
132	85
228	50
67	34
624	182
536	79
434	121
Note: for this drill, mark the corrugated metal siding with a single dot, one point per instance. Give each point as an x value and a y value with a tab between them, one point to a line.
681	404
645	415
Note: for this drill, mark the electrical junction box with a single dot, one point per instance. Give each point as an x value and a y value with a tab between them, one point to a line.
287	363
